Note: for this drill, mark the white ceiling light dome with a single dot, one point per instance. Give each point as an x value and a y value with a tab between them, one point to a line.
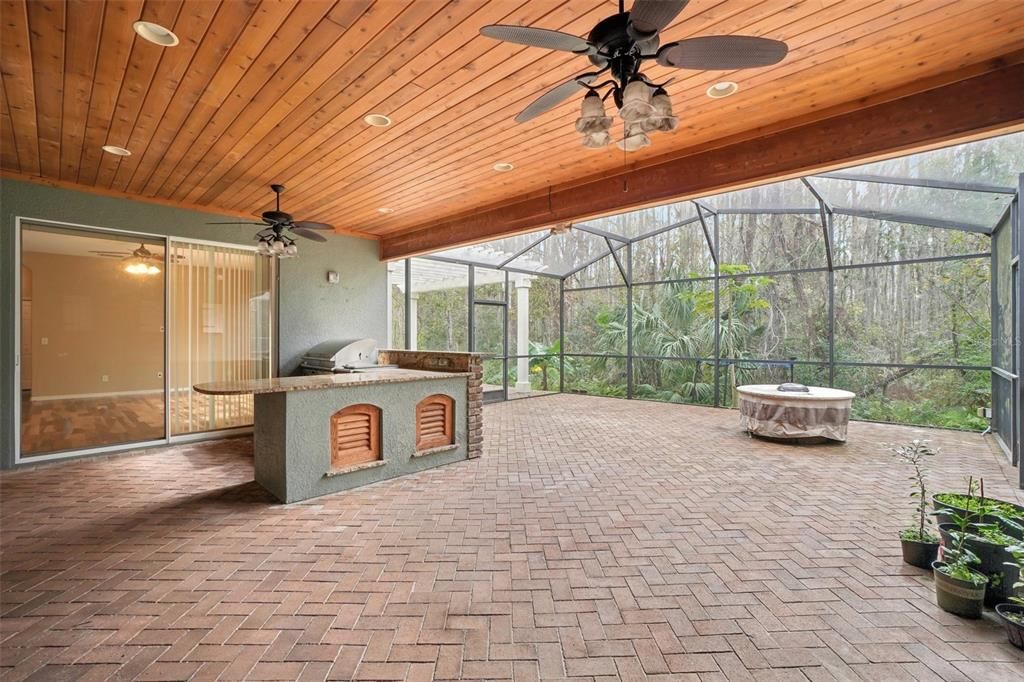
723	89
115	150
377	120
155	33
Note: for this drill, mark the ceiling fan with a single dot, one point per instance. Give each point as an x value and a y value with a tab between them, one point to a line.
619	45
141	261
274	239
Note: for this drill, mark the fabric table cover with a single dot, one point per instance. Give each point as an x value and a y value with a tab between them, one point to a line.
819	413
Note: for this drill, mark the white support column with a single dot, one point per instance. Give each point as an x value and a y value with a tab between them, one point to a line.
413	330
523	332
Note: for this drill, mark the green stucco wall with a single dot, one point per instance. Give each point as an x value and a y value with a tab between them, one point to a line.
311	310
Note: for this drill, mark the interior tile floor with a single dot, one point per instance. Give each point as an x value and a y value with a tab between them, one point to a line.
596	539
76	423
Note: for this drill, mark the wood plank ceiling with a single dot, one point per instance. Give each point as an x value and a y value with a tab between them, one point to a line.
263	91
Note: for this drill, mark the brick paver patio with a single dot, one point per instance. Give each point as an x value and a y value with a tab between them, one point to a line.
597	538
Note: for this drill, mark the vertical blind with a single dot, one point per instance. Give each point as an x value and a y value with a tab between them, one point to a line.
221	329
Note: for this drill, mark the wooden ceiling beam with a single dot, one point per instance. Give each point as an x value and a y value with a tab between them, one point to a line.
980	104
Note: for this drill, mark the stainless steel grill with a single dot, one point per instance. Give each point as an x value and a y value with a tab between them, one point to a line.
342	357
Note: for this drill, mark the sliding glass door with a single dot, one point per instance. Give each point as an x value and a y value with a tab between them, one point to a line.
115	329
221	327
91	339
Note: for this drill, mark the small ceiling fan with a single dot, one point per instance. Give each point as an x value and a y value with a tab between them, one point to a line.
619	45
141	261
274	239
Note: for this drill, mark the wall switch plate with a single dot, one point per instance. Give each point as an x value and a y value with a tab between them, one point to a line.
44	341
105	378
333	277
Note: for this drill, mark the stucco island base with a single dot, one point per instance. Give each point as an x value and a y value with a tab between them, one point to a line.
292	428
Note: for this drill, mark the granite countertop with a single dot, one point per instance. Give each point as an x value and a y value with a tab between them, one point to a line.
319	382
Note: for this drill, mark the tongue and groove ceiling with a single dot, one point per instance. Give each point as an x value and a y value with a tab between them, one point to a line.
261	92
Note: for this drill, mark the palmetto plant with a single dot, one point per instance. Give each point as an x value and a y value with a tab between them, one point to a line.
546	360
681	323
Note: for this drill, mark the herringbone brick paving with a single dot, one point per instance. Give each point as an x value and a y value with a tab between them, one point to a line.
596	539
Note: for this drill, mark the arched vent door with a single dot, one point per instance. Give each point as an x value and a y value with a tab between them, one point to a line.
355	436
434	422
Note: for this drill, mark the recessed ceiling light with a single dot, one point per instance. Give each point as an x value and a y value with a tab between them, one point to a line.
385	210
155	33
115	150
378	120
723	89
503	167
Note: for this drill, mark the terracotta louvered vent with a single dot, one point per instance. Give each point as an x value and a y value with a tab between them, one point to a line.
434	426
355	436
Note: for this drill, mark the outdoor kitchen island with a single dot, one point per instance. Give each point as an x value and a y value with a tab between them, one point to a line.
320	434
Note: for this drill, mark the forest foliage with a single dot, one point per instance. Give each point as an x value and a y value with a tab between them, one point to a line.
908	305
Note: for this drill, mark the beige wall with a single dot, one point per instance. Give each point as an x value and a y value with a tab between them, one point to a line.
98	320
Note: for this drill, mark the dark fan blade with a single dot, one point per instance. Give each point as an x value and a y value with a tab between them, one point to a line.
551	99
309	234
310	225
536	37
236	223
651	16
720	53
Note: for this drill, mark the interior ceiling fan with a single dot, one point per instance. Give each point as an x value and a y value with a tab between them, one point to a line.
618	46
141	261
274	239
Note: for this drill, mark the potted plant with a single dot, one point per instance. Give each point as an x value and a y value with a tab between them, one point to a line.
919	543
1012	613
1008	515
959	589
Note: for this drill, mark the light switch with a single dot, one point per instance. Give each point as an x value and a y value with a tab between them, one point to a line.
105	378
44	341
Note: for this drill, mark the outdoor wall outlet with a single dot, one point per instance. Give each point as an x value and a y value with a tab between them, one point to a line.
105	378
332	277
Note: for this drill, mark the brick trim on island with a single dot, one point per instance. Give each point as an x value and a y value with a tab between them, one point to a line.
443	361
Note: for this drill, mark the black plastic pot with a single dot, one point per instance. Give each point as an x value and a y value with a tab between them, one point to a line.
1014	630
920	554
979	518
959	597
993	561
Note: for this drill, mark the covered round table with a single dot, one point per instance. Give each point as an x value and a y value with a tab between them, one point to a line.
818	413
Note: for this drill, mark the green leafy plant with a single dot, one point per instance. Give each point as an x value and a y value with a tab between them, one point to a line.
914	454
1017	552
958	559
546	360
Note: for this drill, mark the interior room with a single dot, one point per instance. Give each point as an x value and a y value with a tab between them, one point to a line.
435	340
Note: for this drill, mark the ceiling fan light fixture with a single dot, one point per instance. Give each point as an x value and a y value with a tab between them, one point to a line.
723	89
662	119
635	137
115	150
592	117
377	120
636	102
597	140
155	33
